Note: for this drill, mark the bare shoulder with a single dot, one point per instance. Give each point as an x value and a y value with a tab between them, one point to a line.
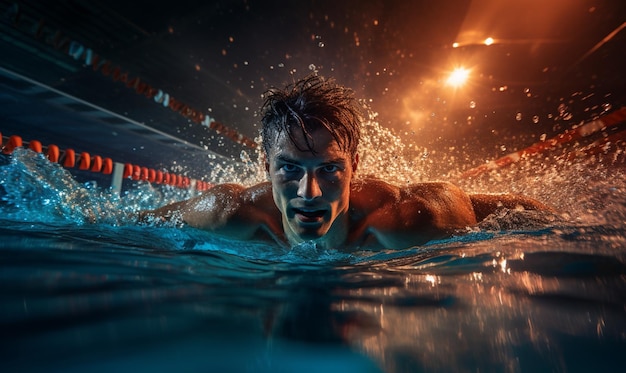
449	206
234	203
369	194
438	190
374	193
411	215
235	194
257	193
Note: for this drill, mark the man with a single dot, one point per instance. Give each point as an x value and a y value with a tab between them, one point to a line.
310	134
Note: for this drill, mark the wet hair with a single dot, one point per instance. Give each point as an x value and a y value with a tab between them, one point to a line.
309	104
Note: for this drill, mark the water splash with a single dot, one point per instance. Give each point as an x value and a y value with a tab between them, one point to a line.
36	190
586	190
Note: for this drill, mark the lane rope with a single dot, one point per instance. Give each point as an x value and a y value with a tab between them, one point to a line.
97	164
585	130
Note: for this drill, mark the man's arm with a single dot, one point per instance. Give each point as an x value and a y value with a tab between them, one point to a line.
229	210
486	204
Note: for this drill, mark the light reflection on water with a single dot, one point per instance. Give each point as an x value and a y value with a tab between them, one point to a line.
543	300
480	316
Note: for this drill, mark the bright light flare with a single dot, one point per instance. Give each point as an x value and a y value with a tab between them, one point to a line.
458	77
489	41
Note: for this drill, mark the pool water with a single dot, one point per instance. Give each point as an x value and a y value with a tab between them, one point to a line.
84	288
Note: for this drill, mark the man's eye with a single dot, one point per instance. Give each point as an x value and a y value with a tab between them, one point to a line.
289	168
330	168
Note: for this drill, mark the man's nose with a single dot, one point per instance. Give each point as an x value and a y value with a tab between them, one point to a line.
309	187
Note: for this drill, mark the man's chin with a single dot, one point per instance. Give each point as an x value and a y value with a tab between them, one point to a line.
310	233
310	236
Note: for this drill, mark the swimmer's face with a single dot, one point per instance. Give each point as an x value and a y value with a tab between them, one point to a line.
311	190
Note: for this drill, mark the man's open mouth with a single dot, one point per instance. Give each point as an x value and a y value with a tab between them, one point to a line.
309	216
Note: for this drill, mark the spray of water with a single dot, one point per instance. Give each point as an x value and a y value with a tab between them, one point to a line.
586	189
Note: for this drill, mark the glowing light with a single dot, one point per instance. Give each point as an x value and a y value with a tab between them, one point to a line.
458	77
455	45
488	41
503	266
432	279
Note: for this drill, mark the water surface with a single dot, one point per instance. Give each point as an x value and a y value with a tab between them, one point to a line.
84	288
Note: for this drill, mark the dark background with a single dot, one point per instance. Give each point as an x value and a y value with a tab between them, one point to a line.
553	65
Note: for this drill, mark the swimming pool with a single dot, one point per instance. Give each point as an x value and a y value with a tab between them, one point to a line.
84	288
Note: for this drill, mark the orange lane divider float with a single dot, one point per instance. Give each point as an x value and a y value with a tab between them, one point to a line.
86	162
585	130
12	143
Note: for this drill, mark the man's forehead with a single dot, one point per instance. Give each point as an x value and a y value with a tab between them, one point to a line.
322	142
316	137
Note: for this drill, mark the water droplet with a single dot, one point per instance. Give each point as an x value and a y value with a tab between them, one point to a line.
543	137
312	67
472	104
536	119
518	116
321	44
